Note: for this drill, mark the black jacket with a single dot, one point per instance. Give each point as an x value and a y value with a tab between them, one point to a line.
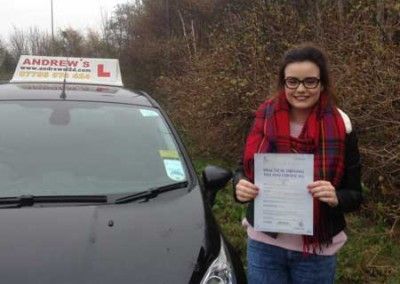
348	193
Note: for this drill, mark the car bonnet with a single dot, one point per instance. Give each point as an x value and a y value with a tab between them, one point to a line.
141	242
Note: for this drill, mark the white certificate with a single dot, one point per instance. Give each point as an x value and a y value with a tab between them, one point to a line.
283	204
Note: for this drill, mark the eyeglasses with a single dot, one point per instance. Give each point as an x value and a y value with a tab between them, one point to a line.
308	83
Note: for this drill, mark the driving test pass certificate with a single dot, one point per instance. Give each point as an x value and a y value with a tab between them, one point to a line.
283	204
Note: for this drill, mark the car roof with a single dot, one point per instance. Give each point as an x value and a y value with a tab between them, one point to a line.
74	92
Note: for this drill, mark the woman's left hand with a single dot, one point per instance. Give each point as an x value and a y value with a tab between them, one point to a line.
324	191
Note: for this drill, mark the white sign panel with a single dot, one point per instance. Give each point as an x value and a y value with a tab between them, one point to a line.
48	69
284	204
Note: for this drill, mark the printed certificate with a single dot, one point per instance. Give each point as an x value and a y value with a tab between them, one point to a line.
284	204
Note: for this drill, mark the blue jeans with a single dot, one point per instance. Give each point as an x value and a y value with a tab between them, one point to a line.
274	265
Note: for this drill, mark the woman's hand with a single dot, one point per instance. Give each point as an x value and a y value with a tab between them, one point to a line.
324	191
245	190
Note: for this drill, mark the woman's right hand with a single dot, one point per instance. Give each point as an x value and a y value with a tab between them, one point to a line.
245	190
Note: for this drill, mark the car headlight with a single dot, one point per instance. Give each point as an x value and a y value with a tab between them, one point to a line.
220	270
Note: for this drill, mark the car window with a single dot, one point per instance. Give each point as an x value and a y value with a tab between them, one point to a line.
68	147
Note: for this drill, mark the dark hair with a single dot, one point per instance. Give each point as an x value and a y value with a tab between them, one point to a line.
306	52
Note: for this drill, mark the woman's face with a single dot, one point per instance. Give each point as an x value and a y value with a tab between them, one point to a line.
302	96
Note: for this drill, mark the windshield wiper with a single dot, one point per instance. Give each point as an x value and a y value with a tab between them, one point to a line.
151	192
30	200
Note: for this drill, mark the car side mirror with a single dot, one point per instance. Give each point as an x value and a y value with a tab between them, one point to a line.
214	178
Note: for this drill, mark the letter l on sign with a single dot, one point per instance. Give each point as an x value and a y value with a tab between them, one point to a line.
101	72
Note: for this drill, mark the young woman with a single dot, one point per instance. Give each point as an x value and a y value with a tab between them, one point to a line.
302	118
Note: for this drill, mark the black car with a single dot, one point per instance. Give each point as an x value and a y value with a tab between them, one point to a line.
96	187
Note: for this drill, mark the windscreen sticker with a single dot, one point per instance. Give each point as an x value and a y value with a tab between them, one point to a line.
169	154
174	169
147	112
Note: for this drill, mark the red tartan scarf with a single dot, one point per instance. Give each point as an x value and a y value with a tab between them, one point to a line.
323	135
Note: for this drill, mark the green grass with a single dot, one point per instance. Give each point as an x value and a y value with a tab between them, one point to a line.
371	254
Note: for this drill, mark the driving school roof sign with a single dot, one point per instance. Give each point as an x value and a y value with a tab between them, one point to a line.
75	70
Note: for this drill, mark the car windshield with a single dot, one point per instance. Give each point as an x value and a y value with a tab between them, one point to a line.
71	147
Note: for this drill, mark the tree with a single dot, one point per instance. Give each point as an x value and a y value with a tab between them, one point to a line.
18	43
70	42
38	43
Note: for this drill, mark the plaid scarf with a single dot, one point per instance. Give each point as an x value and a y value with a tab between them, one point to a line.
322	135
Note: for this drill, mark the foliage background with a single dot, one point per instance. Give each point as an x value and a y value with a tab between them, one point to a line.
211	62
